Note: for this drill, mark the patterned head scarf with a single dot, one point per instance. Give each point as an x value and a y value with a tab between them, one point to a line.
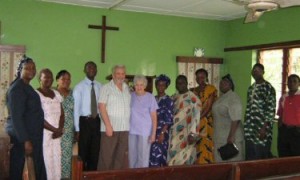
163	78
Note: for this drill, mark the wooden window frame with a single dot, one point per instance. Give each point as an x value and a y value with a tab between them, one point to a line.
285	64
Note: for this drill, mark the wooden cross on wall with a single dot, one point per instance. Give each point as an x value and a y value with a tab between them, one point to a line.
103	37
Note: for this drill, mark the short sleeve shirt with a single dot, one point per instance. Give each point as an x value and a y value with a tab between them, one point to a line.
117	106
226	109
141	109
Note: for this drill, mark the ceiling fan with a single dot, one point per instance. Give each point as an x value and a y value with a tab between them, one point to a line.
256	8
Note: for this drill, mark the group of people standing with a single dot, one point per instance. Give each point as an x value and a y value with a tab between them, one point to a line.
40	122
113	123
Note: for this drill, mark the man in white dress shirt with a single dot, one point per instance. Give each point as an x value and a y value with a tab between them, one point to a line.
86	117
114	106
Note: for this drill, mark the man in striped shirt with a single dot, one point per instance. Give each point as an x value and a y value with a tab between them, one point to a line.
114	106
260	112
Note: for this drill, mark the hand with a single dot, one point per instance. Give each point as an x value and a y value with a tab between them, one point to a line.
57	133
230	140
28	148
76	136
109	131
262	133
152	138
192	138
161	138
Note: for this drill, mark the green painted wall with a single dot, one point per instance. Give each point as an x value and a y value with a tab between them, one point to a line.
57	37
272	27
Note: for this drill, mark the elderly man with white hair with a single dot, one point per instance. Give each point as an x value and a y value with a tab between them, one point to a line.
114	106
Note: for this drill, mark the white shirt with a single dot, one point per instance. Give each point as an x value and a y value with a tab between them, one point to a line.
117	106
82	99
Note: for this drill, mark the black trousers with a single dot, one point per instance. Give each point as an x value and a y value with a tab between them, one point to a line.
257	151
89	142
288	141
17	159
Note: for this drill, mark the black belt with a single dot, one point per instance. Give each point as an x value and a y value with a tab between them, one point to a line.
89	117
291	126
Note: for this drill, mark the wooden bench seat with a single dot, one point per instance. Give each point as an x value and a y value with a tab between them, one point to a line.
268	168
205	172
277	168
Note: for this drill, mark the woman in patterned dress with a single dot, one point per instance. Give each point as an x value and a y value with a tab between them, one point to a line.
63	79
53	124
207	94
158	152
183	133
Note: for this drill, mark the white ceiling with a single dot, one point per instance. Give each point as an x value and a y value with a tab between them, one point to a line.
203	9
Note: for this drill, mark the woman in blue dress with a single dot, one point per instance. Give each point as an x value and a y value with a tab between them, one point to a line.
158	152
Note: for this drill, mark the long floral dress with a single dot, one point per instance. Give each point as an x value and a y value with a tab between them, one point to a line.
51	147
67	137
158	152
186	120
205	145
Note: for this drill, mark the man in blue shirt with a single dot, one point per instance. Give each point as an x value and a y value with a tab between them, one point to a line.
86	117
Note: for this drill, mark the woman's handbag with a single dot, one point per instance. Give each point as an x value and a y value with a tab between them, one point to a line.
228	151
28	171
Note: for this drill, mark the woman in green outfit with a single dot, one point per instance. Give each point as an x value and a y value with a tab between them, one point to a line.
63	79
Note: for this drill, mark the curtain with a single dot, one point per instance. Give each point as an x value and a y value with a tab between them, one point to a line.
189	68
9	59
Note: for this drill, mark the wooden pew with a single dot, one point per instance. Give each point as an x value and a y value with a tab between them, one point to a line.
77	168
4	156
279	168
205	172
276	168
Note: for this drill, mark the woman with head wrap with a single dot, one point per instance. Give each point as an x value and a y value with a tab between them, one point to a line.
158	152
227	114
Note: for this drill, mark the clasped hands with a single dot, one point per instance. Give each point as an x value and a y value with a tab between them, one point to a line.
58	132
193	138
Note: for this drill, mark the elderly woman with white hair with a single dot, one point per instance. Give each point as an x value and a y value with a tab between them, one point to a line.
143	122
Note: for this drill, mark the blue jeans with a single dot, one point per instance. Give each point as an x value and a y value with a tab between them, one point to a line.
257	151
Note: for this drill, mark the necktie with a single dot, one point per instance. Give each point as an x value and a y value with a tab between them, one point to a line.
93	102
